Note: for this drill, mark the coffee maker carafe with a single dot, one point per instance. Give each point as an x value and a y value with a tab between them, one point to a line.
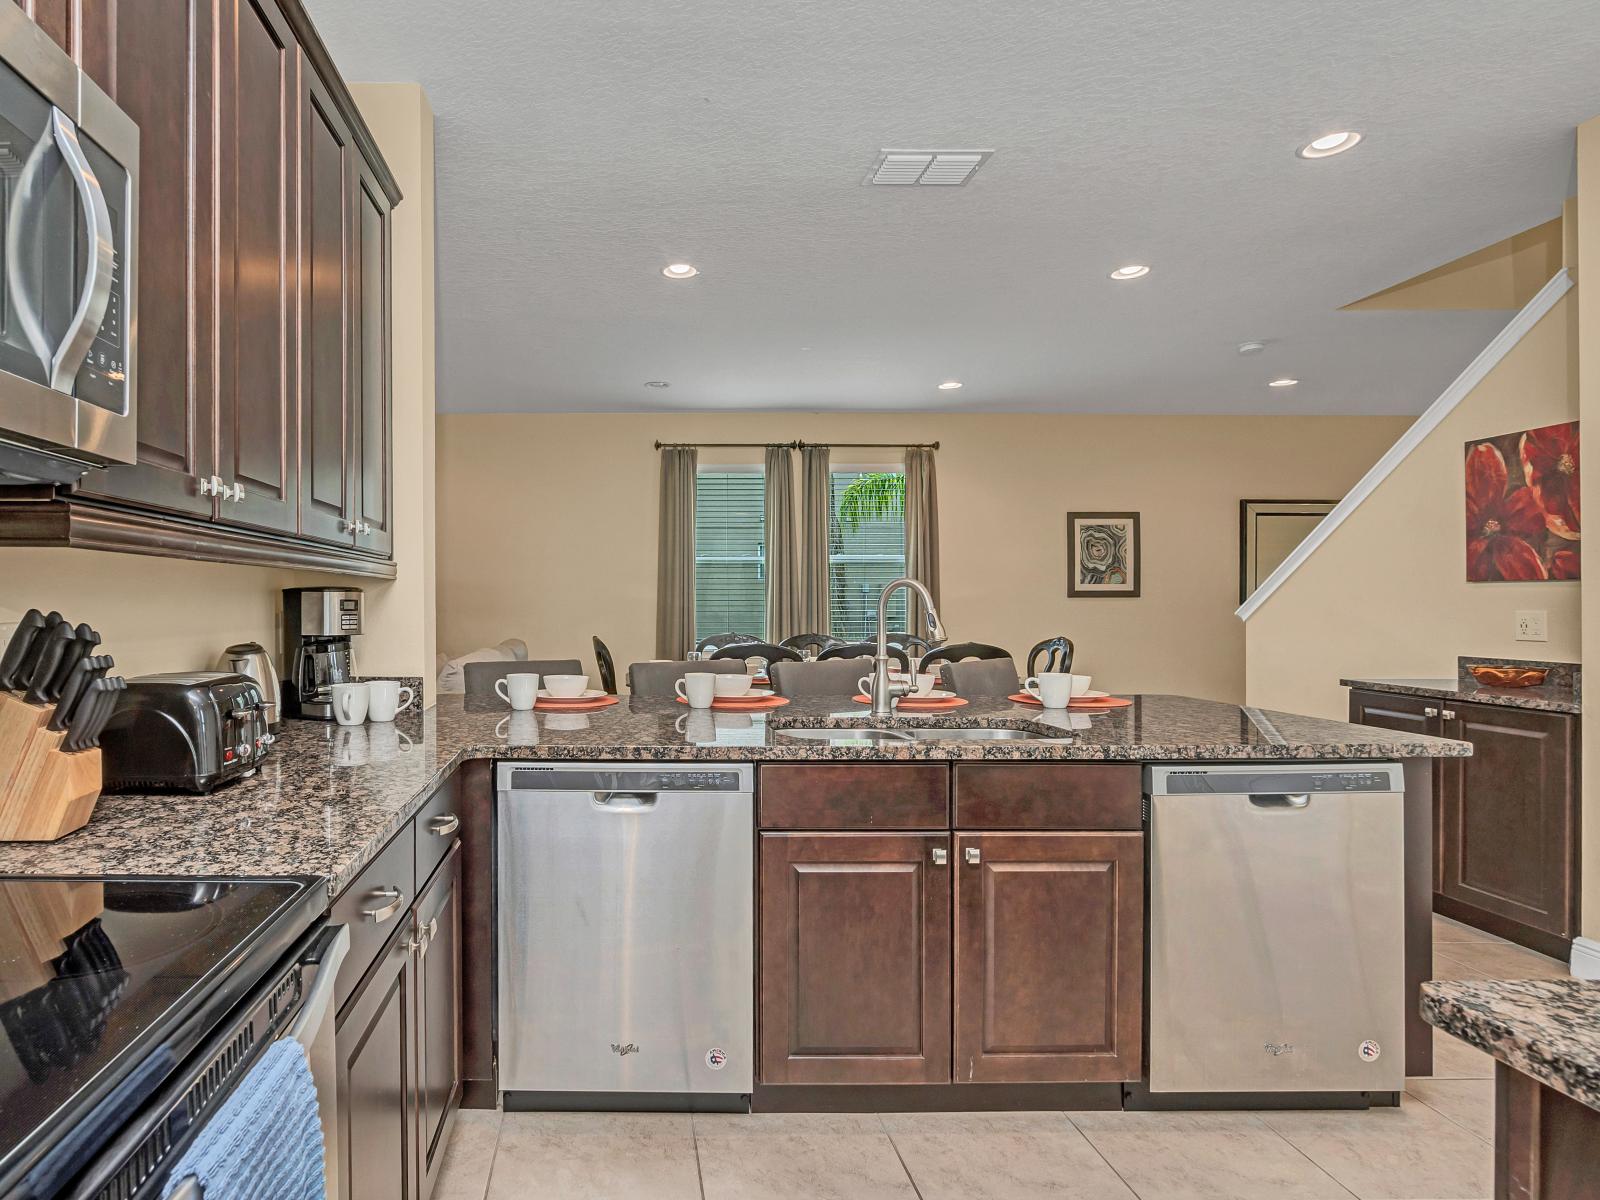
318	625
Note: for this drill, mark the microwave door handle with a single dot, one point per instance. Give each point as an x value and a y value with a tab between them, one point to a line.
96	294
25	198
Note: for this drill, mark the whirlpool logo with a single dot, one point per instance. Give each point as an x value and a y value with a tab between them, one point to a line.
1277	1049
624	1048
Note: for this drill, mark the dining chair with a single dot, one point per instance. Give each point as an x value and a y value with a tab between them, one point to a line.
817	642
870	649
981	677
655	680
765	651
480	677
1053	654
607	668
912	644
715	641
839	677
960	651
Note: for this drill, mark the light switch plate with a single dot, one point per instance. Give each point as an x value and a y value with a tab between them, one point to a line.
1531	625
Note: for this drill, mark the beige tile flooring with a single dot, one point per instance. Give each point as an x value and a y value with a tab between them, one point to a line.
1436	1146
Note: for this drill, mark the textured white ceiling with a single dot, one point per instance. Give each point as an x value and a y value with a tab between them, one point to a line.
582	144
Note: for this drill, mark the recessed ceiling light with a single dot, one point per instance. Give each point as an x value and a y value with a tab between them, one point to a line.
680	271
1252	347
1284	382
656	383
949	385
1131	271
1330	144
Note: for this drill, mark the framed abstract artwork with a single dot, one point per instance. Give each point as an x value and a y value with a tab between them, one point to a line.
1103	554
1523	521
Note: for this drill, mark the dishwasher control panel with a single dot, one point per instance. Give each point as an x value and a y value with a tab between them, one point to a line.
1229	781
624	779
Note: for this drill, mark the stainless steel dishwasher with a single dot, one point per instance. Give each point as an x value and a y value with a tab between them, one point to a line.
626	935
1277	929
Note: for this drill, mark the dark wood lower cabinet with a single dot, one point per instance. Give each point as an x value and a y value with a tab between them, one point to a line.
377	1118
1406	714
438	1013
1545	1143
855	958
1049	957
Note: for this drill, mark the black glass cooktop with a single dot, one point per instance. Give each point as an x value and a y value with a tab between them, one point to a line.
96	978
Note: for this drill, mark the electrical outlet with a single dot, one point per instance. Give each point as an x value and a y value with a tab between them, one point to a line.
1530	625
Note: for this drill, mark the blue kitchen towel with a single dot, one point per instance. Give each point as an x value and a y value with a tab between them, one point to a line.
265	1142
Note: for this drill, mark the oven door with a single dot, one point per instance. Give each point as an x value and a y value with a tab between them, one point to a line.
68	190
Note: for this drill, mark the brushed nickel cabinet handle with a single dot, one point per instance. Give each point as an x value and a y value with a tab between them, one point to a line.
444	826
1430	712
973	856
1449	714
394	897
940	856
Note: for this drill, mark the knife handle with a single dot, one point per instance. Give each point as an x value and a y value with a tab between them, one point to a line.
21	639
78	678
46	662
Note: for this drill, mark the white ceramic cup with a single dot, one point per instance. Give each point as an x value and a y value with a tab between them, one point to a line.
1053	689
386	702
734	685
350	702
566	686
921	684
519	690
698	688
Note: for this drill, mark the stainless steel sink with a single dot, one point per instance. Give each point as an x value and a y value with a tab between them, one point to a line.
874	735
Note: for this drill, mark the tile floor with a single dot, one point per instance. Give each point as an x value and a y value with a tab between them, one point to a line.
1436	1146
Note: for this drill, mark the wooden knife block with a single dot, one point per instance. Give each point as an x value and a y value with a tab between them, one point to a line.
45	793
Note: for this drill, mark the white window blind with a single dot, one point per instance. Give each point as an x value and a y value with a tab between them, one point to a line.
864	557
730	553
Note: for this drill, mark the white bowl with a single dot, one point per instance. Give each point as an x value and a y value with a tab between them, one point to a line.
734	685
566	686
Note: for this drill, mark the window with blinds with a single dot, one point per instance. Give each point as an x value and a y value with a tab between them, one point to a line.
865	551
730	553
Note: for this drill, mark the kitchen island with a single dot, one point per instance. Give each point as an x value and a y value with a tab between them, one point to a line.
399	820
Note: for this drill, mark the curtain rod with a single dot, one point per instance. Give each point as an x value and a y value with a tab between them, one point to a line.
796	445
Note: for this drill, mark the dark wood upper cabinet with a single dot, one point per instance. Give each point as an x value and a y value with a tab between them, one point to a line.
438	1013
256	270
1049	952
265	413
1509	815
855	958
372	456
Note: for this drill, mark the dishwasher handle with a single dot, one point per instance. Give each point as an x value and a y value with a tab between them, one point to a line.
1282	800
625	802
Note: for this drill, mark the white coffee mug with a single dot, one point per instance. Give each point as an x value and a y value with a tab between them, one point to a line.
734	685
567	687
519	690
698	688
1053	689
350	702
386	702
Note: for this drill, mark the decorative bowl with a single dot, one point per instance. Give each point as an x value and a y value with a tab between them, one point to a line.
1509	677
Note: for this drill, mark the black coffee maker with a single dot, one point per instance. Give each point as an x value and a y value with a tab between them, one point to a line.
318	625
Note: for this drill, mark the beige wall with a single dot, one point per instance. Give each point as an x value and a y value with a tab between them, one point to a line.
159	614
400	623
547	524
1386	594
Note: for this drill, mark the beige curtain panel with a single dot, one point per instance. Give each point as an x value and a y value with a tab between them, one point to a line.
675	561
783	606
816	506
922	534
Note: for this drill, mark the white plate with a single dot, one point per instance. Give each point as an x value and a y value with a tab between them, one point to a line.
752	694
1092	696
591	694
932	694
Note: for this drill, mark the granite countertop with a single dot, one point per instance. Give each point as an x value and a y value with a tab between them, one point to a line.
1560	692
328	798
1548	1029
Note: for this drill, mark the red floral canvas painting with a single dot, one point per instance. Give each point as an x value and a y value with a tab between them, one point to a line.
1522	505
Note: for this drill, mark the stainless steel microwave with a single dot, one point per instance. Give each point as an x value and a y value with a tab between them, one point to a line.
69	188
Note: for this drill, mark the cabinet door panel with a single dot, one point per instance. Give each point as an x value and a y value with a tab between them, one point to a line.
373	450
174	108
256	398
85	29
325	433
1509	815
1049	957
439	1011
377	1110
855	959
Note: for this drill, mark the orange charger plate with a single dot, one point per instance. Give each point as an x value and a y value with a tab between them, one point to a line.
549	704
914	705
744	703
1082	702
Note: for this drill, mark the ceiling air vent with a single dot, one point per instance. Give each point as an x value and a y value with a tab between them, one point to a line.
928	168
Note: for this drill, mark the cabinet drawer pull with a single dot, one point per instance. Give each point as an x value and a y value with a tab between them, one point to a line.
395	898
973	856
1430	712
940	856
444	826
1449	714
